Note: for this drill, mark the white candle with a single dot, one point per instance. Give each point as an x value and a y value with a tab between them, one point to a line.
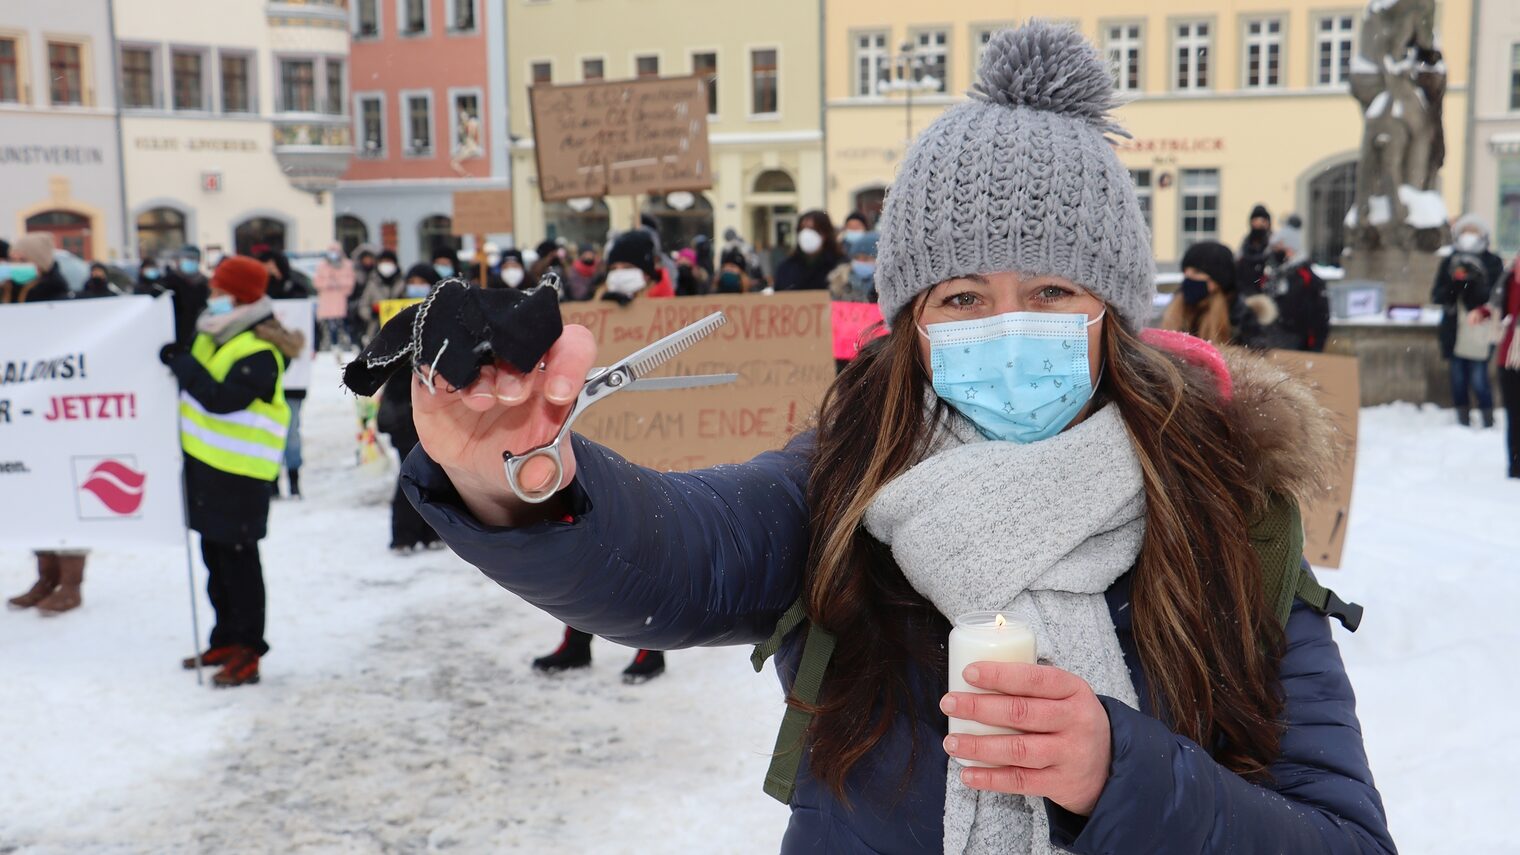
985	637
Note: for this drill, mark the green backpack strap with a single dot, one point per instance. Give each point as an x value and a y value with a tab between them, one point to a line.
1278	538
817	649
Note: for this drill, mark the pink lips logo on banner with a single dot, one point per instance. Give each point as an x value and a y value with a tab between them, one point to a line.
117	486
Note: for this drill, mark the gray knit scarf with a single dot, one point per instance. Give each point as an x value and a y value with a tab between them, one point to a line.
1038	532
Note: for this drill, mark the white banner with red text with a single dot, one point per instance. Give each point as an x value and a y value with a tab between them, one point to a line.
89	426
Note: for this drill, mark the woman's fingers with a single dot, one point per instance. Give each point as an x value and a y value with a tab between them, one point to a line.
1012	779
1025	750
1018	678
481	395
1036	715
566	364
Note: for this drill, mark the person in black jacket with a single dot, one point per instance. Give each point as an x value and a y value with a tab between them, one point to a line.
190	290
227	475
40	283
408	531
1302	317
816	257
1251	266
1459	294
1209	305
99	283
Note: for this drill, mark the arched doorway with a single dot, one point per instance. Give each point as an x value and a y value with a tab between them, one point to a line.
160	232
350	231
1331	194
772	216
580	221
435	230
775	181
259	232
868	203
680	217
70	231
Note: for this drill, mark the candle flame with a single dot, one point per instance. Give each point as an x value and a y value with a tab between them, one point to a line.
1000	622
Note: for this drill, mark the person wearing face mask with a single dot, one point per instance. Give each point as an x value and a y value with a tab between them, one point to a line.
691	280
513	271
733	273
859	285
1250	268
1208	304
386	284
816	257
99	283
150	278
445	261
581	278
1017	445
36	278
633	269
1458	294
233	420
1302	302
334	282
188	287
855	224
409	533
363	258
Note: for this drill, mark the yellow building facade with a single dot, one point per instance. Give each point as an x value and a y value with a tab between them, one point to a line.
765	121
1231	104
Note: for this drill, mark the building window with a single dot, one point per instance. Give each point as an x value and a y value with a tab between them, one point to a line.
593	69
1508	232
298	86
1263	54
1122	43
1332	49
1514	78
414	17
371	126
189	80
65	73
237	84
160	231
419	124
436	232
873	63
1145	193
705	66
367	13
258	233
1200	207
645	67
350	231
765	98
137	89
1191	50
983	38
929	57
541	72
465	123
462	16
335	99
10	72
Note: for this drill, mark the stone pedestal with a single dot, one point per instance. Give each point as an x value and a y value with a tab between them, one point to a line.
1408	275
1398	362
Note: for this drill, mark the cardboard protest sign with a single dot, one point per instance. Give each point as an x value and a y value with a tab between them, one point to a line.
89	425
1335	382
781	347
481	212
618	139
852	323
299	315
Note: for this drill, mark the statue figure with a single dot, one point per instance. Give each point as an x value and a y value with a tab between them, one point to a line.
1399	79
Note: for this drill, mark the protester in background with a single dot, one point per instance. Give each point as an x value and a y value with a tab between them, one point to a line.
703	247
37	278
633	269
363	258
691	280
739	253
1302	317
285	282
284	286
733	273
334	282
1209	306
150	278
1506	305
189	290
446	261
409	532
513	271
551	259
580	279
859	286
99	283
1250	269
386	284
816	257
854	224
233	419
1465	281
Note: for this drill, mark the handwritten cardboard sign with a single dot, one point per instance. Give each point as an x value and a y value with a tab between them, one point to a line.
781	347
482	212
631	136
1335	382
855	324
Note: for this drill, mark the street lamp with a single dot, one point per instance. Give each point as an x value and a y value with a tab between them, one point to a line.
907	77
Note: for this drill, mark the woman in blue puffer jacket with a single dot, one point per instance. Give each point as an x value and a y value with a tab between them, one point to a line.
1014	444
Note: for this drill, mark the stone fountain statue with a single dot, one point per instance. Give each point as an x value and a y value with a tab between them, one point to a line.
1399	79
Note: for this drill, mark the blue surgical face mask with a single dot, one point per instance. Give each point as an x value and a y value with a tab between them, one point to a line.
444	270
863	269
151	274
1194	290
219	305
1020	377
189	265
21	274
417	292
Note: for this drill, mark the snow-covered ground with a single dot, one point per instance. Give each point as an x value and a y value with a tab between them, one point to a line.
398	712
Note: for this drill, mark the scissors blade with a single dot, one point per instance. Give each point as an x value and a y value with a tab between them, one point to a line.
662	384
647	360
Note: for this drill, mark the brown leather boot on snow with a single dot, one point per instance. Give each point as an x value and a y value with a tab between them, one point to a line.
66	598
211	658
47	580
242	669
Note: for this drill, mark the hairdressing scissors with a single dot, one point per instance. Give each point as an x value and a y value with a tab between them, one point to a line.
630	372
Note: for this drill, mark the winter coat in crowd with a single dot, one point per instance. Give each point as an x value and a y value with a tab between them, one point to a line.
1299	318
334	282
667	560
380	287
190	292
1457	297
36	249
802	272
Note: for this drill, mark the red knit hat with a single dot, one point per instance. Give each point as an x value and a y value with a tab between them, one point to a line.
246	279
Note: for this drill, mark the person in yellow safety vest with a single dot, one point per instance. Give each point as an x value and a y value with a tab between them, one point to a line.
233	420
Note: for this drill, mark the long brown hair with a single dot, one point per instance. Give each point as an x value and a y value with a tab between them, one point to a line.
1208	642
1209	319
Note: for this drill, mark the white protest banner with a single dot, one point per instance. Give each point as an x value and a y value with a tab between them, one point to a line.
299	315
89	425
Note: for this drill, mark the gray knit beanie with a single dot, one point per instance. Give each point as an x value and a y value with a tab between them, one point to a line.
1023	177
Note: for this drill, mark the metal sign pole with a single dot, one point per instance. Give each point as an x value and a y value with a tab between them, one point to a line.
195	617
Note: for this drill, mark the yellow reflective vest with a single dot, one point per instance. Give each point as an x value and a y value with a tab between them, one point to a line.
249	442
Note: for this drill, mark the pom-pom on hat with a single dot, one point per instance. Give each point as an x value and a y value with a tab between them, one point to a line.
246	279
1022	177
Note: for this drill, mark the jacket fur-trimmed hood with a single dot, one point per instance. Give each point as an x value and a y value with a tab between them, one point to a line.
1291	442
